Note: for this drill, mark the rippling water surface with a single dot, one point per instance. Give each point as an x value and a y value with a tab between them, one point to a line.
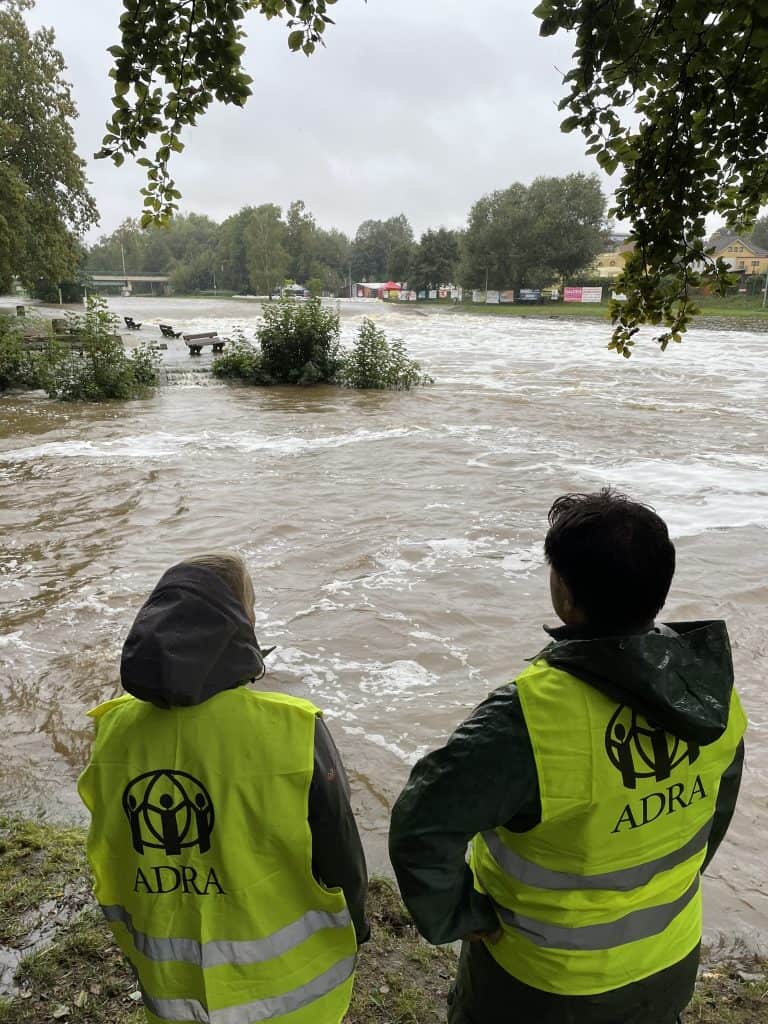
395	540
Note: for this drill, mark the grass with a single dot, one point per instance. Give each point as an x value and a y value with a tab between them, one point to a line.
79	977
721	997
37	864
400	979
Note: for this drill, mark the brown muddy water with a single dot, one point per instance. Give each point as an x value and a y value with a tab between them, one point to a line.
395	540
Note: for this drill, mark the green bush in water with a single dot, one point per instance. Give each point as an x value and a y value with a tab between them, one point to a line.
103	371
375	362
299	342
20	368
241	361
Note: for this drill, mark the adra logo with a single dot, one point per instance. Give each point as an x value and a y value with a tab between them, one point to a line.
639	751
170	811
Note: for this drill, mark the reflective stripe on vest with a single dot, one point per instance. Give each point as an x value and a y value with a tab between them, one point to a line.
640	924
623	880
260	1009
227	951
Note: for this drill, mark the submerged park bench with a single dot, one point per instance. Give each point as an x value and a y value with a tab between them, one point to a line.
131	324
168	332
195	342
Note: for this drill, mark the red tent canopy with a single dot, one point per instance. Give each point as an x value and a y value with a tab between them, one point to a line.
391	286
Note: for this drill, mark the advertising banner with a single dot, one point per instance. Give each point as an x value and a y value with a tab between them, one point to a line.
404	296
478	296
618	296
572	294
591	294
433	293
422	295
491	298
456	294
443	293
529	295
508	296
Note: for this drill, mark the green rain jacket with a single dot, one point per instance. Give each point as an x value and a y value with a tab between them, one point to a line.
680	677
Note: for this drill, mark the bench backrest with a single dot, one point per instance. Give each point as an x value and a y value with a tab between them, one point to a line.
200	337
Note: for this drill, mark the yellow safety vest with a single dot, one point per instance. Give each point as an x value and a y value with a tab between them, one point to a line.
202	854
605	890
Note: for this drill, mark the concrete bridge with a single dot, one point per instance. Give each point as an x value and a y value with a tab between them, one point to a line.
125	282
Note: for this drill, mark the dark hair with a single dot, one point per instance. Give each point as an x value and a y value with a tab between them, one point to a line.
614	554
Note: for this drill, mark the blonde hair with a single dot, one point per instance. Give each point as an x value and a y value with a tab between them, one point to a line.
230	568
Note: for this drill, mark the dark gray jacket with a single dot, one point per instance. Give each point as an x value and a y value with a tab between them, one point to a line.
191	640
679	677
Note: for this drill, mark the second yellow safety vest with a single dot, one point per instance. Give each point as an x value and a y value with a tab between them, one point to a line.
605	890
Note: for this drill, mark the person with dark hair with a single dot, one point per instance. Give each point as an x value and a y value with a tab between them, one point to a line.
592	791
226	856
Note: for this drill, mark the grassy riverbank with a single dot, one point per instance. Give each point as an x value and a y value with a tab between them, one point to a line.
58	963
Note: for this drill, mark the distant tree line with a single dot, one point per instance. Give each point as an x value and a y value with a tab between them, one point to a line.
520	236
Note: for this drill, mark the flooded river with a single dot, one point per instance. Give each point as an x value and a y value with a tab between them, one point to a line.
395	540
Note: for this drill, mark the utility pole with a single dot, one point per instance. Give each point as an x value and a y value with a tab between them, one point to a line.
765	290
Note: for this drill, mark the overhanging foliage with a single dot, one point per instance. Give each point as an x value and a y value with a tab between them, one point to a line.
174	58
674	92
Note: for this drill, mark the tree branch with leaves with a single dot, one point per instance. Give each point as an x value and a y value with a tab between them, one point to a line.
673	92
176	57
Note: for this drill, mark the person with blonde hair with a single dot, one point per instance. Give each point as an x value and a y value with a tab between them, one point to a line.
226	856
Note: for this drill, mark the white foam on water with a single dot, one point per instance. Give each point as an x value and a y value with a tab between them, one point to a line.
523	561
162	445
392	746
692	497
396	678
410	561
324	605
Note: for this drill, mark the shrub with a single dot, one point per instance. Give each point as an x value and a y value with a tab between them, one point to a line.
299	342
241	362
20	368
375	362
104	370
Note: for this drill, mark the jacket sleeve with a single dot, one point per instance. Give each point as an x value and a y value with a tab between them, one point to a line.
726	803
337	853
485	776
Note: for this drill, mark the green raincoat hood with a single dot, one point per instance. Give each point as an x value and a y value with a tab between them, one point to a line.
679	676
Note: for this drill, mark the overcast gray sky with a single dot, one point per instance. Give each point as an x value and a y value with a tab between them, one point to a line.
414	106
